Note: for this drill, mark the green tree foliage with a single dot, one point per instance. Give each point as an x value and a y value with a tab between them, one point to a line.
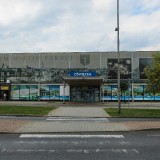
124	88
153	75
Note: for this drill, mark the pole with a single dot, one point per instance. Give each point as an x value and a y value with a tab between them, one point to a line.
64	92
103	92
128	91
118	56
39	87
0	84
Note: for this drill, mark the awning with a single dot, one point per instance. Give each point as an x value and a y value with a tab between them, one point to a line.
83	81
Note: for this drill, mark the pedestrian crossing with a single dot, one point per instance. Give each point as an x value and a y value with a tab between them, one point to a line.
90	119
71	144
113	145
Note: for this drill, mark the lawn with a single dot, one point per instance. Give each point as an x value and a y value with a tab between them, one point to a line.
25	110
134	113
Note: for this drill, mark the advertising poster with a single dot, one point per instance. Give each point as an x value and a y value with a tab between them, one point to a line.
143	62
49	92
150	96
138	91
15	92
44	92
114	92
125	68
107	93
33	92
54	92
24	92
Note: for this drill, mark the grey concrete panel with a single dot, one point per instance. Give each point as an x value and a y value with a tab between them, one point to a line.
90	60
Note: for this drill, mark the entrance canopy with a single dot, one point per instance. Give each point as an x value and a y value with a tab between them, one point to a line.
83	81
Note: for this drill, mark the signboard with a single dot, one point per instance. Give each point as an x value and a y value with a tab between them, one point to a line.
82	74
5	88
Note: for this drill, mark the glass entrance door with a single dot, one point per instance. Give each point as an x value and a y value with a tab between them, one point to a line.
85	94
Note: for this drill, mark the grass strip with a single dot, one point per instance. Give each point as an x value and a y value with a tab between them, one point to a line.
25	110
133	113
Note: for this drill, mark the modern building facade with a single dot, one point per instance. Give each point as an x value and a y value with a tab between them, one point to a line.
74	76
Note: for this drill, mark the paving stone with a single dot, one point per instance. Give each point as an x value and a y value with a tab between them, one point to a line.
79	112
142	125
76	110
72	127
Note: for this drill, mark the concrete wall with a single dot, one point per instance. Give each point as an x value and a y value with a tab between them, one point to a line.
68	60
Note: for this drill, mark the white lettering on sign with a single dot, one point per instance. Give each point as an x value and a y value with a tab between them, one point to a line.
83	74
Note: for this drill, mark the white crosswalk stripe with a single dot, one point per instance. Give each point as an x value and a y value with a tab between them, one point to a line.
68	136
76	119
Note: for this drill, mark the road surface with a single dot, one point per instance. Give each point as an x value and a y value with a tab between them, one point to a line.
144	145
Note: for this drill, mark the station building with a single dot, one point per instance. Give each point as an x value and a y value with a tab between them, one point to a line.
74	76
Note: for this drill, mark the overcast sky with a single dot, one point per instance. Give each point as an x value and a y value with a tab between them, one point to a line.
78	25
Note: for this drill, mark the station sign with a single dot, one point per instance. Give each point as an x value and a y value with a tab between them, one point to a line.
82	74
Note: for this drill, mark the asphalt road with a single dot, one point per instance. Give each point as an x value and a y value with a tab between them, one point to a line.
110	146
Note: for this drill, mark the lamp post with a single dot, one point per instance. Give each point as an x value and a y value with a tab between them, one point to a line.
118	56
0	83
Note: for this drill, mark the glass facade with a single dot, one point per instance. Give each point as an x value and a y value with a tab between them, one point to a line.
24	92
85	94
31	92
139	92
80	94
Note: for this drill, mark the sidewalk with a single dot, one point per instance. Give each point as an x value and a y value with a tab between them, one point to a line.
79	112
73	110
19	126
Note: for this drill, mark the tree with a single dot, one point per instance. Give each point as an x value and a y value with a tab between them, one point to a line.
124	88
153	75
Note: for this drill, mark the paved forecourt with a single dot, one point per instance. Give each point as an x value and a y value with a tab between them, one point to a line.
70	127
79	112
74	126
73	118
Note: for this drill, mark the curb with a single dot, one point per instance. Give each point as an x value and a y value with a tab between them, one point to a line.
82	132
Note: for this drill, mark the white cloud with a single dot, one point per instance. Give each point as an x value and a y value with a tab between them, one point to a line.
81	25
140	31
103	5
150	4
17	10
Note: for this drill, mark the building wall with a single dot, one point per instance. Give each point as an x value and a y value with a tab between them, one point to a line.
51	67
67	59
26	70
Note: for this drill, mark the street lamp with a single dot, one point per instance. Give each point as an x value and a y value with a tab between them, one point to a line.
118	56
